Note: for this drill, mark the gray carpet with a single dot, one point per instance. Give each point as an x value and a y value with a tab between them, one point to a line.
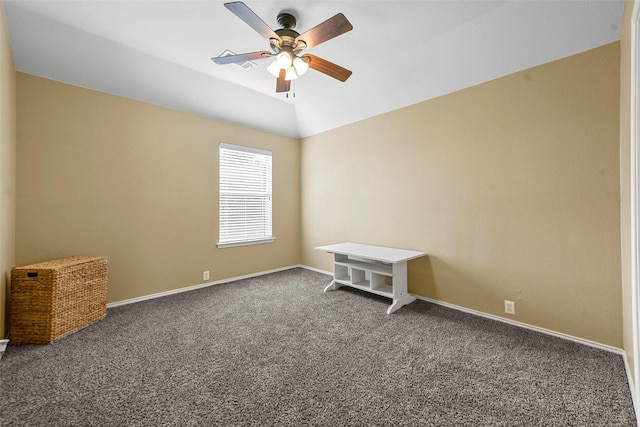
276	350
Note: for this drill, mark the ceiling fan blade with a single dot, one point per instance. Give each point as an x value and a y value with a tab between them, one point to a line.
328	68
332	27
232	59
283	85
243	12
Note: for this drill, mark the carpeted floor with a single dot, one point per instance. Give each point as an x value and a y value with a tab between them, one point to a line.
276	350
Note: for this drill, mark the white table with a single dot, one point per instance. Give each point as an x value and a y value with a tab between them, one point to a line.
376	269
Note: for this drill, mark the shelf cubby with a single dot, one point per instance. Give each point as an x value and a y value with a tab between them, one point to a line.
341	272
380	284
358	276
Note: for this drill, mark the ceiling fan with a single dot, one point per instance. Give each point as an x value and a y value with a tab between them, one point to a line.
287	46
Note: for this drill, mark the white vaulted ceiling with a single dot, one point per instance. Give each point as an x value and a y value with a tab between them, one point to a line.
400	52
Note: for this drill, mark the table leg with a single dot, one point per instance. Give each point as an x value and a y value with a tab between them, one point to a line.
332	286
399	302
400	295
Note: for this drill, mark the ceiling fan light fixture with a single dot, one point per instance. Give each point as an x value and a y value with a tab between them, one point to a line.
291	74
301	65
284	60
274	69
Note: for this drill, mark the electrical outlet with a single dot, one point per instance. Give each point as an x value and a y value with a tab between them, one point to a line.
205	275
509	307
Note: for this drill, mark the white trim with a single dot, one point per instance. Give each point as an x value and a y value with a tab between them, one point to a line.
317	270
246	242
253	150
600	346
194	287
634	383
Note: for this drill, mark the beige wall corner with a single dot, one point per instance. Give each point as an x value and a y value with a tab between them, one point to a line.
104	175
7	170
511	187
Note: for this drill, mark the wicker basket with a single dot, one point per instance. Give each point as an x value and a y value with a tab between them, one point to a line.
56	298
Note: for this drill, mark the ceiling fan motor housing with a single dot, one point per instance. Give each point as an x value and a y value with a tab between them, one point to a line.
287	34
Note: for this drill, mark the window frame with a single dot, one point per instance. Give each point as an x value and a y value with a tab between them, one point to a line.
244	241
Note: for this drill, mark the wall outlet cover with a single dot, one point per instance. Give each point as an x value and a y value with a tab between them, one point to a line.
509	307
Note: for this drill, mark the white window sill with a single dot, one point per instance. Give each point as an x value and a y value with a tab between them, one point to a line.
246	242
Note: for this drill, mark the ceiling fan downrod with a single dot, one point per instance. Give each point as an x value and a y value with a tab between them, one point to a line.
287	20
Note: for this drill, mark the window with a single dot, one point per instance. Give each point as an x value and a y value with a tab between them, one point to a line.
245	196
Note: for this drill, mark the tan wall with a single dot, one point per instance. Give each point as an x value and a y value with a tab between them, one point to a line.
102	175
7	169
625	180
511	186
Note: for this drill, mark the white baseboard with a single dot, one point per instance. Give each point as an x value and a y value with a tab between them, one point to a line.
509	321
317	270
590	343
194	287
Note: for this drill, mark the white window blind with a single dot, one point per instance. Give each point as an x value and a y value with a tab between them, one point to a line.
245	196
